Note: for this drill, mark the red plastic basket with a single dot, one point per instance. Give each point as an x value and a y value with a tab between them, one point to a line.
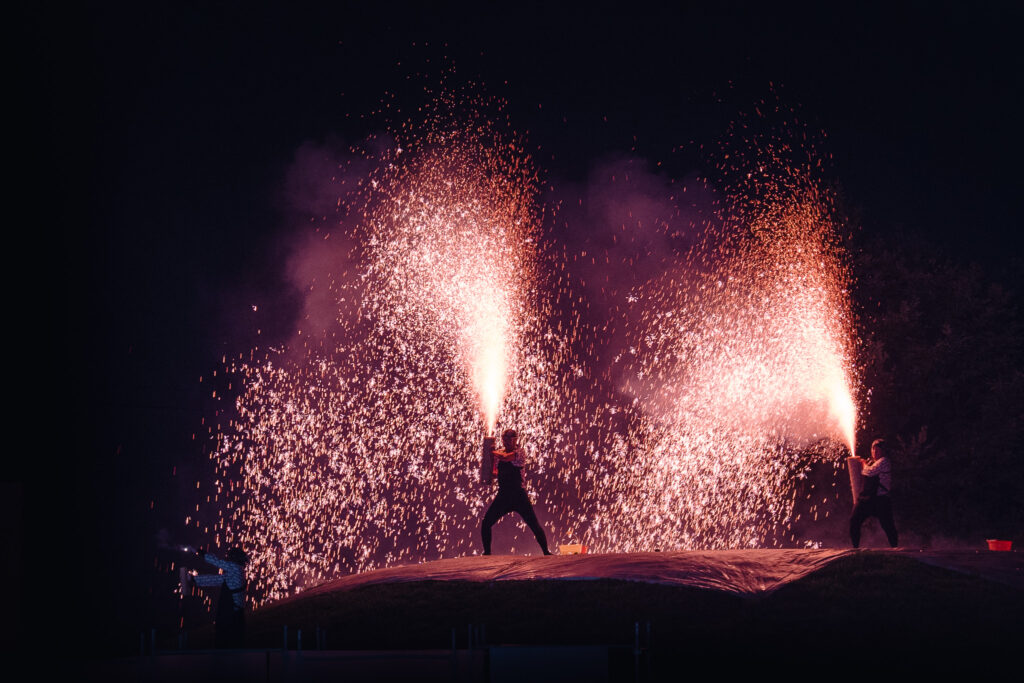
994	544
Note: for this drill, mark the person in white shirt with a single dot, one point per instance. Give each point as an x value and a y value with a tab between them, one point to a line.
873	499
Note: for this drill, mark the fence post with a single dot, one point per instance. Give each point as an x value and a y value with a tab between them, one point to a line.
636	650
455	656
650	648
284	655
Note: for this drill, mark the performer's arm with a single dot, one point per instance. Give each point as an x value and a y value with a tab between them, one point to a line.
875	468
216	561
208	580
233	574
516	457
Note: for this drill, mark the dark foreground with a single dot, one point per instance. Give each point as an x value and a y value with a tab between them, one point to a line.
876	612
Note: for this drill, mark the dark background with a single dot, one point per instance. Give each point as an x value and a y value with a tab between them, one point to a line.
152	141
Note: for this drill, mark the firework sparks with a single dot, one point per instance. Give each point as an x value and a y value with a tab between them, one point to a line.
741	366
361	450
364	452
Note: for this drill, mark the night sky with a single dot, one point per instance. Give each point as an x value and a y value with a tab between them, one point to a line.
159	139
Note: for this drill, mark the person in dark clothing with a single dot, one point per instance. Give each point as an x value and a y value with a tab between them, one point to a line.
511	494
873	499
230	620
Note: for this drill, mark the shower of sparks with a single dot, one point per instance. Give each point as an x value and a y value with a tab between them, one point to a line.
362	449
741	366
451	250
366	452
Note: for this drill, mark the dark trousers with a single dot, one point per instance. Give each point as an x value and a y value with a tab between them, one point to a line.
512	500
229	629
229	624
879	507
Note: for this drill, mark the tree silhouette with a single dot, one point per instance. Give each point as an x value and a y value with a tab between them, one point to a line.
941	354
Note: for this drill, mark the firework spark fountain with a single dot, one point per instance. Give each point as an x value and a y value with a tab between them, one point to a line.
740	362
361	450
364	452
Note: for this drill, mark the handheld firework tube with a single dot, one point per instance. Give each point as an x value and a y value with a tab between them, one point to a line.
856	468
487	462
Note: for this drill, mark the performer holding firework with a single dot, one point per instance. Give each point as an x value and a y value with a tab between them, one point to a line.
872	498
508	467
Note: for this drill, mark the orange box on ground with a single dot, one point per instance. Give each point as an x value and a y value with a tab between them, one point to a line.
573	549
